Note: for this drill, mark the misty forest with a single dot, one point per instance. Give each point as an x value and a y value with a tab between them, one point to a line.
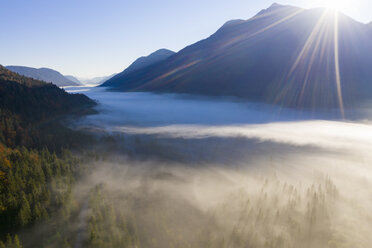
232	142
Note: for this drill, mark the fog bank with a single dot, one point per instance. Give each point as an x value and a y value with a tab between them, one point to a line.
207	172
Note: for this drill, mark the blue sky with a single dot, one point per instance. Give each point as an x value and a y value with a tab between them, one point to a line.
88	38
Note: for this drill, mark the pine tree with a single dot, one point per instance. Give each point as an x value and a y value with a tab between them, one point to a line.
16	242
9	241
24	215
66	244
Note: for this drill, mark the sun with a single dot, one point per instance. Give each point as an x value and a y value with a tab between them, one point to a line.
339	5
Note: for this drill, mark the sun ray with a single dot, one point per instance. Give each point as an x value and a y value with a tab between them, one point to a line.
318	44
322	44
268	27
337	65
308	42
276	23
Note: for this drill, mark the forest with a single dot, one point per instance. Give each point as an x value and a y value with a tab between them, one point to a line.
37	170
179	186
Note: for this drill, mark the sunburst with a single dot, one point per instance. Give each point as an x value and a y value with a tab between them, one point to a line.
339	5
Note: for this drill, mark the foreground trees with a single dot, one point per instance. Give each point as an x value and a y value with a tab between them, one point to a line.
33	184
36	171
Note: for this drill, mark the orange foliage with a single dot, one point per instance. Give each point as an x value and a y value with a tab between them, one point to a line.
34	157
4	152
7	163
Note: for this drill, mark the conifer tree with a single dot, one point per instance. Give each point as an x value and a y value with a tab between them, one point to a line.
24	215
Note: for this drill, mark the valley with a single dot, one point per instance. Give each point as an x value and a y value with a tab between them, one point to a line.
185	124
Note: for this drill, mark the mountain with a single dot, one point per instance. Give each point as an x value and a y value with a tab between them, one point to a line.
285	55
151	59
140	63
72	79
89	81
43	74
96	80
31	113
36	100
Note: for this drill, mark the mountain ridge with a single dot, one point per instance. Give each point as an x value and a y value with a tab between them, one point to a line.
142	62
27	101
43	74
72	79
273	57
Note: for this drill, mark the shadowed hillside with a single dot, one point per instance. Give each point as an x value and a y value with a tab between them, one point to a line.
27	104
139	64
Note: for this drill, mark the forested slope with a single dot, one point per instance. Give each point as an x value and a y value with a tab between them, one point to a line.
36	172
29	106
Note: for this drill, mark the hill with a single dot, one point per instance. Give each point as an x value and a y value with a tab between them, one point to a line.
26	103
72	79
43	74
96	80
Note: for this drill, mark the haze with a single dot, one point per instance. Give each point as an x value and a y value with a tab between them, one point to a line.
250	176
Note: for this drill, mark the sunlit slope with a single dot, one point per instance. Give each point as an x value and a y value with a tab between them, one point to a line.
285	55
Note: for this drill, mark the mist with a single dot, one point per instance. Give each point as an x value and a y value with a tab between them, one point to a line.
211	172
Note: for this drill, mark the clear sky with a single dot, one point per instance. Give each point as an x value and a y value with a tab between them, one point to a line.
89	38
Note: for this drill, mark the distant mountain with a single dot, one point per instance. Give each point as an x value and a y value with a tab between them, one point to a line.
140	63
72	79
284	55
96	80
43	74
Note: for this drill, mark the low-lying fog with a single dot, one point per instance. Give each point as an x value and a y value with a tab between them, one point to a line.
213	172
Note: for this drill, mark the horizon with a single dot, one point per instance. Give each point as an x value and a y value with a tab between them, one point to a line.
90	58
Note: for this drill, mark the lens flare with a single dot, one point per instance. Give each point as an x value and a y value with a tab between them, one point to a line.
339	5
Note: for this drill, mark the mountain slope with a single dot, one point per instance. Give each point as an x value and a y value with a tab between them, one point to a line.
43	74
283	55
140	63
72	79
34	101
34	155
96	80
